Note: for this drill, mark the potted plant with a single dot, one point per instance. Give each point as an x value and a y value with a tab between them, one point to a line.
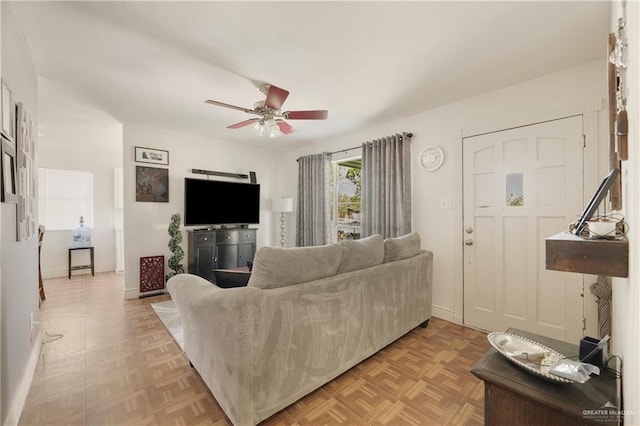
175	260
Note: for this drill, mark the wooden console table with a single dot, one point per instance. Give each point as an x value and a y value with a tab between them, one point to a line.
513	396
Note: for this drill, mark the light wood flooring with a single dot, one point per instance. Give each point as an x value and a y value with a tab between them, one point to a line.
118	365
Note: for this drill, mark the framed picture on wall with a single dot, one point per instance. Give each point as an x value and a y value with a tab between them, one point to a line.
8	167
150	155
8	113
152	184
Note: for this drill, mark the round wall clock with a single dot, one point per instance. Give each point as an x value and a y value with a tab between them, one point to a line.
431	158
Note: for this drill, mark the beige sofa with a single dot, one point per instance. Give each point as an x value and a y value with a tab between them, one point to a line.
307	315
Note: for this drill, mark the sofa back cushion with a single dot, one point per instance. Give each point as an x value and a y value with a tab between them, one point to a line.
275	267
360	254
401	247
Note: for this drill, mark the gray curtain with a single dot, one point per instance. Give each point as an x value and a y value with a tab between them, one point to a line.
312	219
386	186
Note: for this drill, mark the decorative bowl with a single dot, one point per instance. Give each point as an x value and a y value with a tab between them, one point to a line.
527	354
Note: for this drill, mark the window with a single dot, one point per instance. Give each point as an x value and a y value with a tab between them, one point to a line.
347	192
64	196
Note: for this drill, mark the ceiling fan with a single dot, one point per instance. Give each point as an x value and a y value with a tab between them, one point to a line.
269	111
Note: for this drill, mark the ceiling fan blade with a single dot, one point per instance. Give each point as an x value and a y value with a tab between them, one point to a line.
222	104
243	123
306	115
275	97
285	127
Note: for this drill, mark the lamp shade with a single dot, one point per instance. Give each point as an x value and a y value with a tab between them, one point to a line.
283	205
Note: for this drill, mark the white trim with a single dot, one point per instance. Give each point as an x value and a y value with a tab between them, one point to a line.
58	273
591	107
131	293
64	273
16	406
442	313
458	254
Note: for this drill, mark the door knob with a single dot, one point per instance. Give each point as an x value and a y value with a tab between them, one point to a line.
469	230
468	242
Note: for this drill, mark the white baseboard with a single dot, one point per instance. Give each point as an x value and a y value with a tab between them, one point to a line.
131	293
17	404
442	313
60	273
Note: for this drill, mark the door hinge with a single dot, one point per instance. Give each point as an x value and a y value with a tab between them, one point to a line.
584	324
584	141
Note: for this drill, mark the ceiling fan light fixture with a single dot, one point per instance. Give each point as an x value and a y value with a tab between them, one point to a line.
271	121
257	128
272	128
266	127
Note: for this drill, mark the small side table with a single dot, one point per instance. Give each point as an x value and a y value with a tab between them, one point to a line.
513	396
75	268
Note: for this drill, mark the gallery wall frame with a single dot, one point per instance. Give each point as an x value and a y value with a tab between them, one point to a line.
152	184
8	167
26	175
151	155
7	118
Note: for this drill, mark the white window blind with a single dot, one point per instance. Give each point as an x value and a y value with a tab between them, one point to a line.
64	196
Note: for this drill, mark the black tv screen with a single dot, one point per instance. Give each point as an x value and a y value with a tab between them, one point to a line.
214	202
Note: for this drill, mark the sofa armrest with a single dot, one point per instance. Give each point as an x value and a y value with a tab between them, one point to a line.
219	337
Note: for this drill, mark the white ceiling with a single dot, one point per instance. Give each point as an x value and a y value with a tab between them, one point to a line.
156	62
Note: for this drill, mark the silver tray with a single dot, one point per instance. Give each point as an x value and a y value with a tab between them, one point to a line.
527	354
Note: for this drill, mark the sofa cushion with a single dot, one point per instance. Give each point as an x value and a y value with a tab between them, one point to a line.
360	254
401	247
275	267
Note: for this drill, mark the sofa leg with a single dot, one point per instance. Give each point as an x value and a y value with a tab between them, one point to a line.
425	324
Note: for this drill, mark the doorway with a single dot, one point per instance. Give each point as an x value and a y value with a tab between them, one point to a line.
520	186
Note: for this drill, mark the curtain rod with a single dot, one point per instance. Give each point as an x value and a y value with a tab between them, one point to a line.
410	135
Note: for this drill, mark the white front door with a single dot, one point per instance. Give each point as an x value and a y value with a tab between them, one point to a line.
521	186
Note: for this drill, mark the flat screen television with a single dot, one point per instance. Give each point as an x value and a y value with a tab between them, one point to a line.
215	202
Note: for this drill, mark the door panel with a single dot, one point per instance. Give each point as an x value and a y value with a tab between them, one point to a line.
227	256
205	262
521	186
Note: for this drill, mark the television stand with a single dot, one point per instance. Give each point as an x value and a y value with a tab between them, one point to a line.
209	249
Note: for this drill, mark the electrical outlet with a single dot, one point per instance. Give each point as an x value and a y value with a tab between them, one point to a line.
446	203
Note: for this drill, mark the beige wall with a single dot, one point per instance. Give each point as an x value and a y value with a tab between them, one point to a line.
145	223
577	90
626	292
19	260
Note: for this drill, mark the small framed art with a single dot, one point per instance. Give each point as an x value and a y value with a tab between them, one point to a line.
150	155
152	184
8	167
8	113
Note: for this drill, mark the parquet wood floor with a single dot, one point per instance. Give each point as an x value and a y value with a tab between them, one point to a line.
118	365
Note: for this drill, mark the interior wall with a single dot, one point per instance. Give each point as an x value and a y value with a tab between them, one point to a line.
1	376
568	92
626	292
146	223
19	260
93	145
